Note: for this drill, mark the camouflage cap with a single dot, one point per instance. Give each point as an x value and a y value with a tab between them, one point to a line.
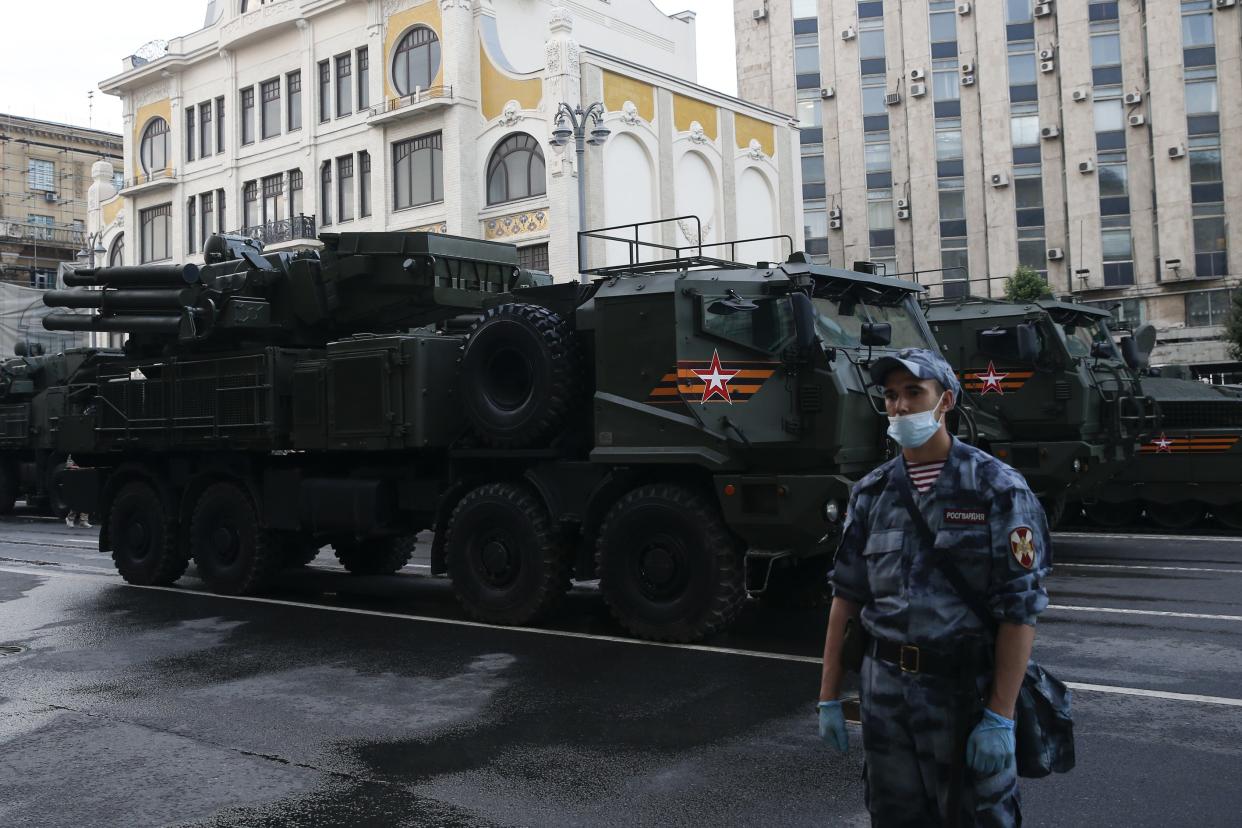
921	362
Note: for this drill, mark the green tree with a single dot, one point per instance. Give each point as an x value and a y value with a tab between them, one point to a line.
1233	326
1026	285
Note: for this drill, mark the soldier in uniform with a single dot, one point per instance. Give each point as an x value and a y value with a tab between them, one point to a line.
938	686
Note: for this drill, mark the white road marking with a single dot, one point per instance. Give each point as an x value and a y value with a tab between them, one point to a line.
1138	566
1157	613
633	642
1118	536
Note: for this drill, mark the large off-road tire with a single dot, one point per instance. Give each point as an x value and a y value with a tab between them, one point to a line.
374	556
1229	515
507	561
233	554
8	488
519	376
1176	516
669	568
142	530
298	550
1109	515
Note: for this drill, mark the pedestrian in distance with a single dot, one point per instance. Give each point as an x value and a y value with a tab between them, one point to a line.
76	520
937	530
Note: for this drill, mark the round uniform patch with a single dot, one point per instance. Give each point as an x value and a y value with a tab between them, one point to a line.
1022	544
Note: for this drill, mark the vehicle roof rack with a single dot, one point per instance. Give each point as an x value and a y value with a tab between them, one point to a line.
673	257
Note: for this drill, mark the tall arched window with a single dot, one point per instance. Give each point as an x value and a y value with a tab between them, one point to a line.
516	170
116	256
153	149
417	60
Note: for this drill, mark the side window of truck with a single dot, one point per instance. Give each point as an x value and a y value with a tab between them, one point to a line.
768	328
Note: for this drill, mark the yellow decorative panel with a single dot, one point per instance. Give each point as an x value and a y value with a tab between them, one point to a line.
426	14
618	89
159	109
517	224
111	210
751	129
441	227
687	110
498	88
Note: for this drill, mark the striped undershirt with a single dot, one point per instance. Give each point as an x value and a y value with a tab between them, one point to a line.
924	475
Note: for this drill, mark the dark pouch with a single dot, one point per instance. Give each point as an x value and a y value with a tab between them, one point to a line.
853	646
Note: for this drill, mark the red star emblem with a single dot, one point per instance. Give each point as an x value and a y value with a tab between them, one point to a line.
1163	444
716	380
992	380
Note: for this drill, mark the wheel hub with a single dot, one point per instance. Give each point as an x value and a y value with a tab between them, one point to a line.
662	568
498	561
137	538
224	542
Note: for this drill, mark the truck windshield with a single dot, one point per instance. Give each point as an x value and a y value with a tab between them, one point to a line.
839	322
1080	338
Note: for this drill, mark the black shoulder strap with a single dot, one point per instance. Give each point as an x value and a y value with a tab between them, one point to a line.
946	566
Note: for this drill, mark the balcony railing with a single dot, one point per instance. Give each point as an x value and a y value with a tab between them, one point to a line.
419	96
50	234
167	174
284	230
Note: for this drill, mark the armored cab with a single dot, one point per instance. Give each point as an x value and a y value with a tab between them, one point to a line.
1052	394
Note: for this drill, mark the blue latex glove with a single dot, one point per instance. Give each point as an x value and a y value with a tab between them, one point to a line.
832	725
990	749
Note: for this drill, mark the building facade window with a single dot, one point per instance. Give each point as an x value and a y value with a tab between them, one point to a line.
221	223
40	175
418	171
247	115
533	257
273	198
804	9
1105	47
942	21
810	109
1023	67
270	90
325	193
325	91
295	193
1108	110
873	92
293	113
1024	128
1113	175
364	78
364	184
153	148
1018	11
1201	91
813	167
877	152
208	208
1198	30
345	188
191	132
1117	247
206	130
155	233
219	125
250	205
871	39
946	85
515	170
344	85
1211	246
191	223
116	255
806	54
1207	307
417	60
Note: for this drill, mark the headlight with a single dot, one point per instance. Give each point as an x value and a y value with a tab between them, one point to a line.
1077	467
832	511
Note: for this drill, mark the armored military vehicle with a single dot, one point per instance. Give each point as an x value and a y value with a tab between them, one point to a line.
678	429
1050	392
35	391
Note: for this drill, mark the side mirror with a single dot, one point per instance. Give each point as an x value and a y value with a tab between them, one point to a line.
804	320
1101	350
1130	353
876	334
1028	343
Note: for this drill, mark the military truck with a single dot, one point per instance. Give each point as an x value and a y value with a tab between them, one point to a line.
35	389
1049	392
679	429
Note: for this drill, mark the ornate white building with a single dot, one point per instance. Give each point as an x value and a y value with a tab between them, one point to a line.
289	118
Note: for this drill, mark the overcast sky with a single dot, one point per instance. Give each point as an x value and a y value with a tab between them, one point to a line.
52	53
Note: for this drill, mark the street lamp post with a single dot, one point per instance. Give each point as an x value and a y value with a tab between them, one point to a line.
94	246
571	122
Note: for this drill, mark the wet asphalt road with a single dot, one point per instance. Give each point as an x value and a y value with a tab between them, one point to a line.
367	701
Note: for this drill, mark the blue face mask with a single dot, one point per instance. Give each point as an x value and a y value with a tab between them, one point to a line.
913	430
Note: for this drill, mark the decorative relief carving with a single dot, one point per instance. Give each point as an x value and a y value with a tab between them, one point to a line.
257	19
512	114
516	224
687	229
440	227
150	94
445	5
755	150
391	7
629	114
561	19
697	133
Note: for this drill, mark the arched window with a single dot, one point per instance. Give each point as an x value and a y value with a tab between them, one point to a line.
516	170
116	256
417	60
153	150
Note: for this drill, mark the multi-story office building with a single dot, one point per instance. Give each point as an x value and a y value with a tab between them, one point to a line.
959	139
44	181
290	118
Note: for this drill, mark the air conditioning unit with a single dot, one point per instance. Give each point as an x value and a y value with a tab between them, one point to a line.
1137	120
1000	179
917	74
903	213
834	224
1047	54
1087	166
963	8
1047	66
835	213
903	204
1177	151
1226	4
1050	132
918	90
968	80
892	98
51	197
827	92
1079	95
1133	98
1043	9
759	14
848	33
968	68
1055	254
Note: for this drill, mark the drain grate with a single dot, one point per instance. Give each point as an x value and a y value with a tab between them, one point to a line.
10	649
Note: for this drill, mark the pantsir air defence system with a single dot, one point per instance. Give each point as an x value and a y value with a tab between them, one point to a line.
681	429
